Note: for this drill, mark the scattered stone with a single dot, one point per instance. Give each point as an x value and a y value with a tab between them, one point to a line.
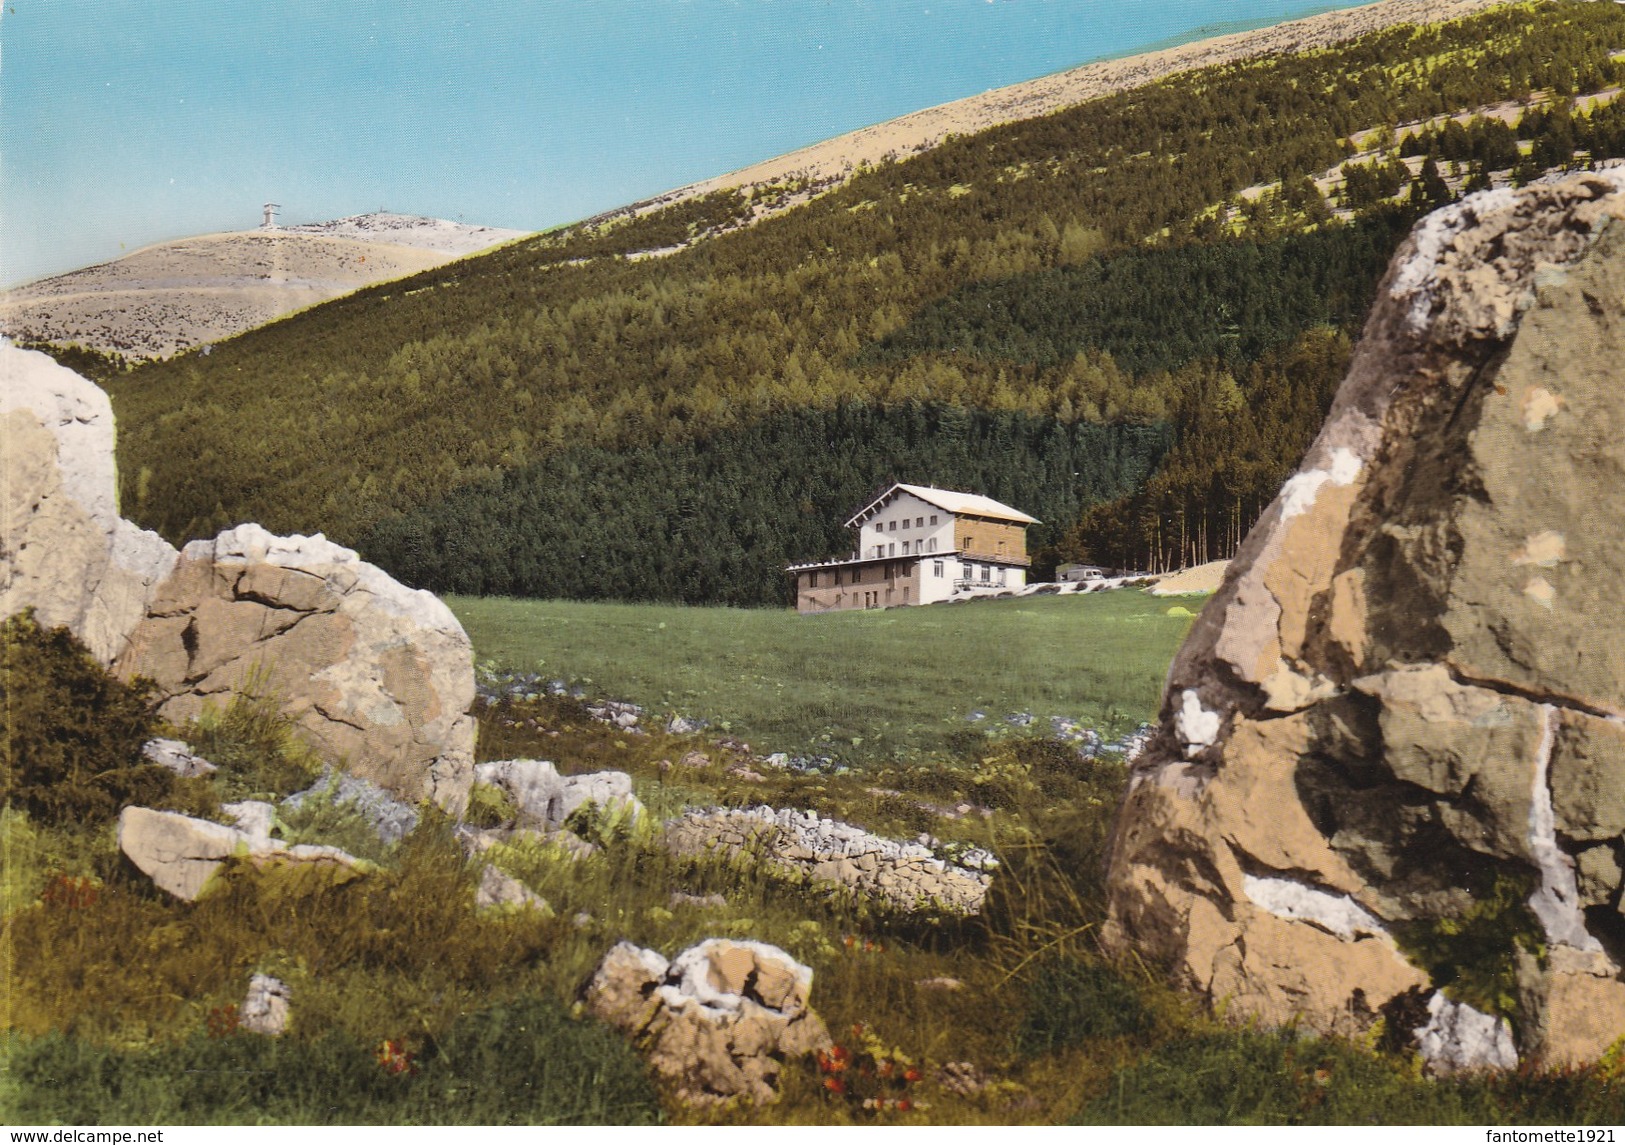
618	714
1406	684
547	799
940	983
682	726
500	889
177	757
265	1009
741	772
961	1078
719	1021
694	759
180	853
907	876
391	819
683	898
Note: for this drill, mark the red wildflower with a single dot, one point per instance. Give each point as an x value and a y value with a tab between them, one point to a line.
73	893
223	1021
912	1073
834	1085
396	1058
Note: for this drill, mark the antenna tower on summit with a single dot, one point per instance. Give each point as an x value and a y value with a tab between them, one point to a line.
269	221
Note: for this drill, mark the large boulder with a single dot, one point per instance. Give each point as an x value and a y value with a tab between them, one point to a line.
64	550
719	1021
375	674
1391	750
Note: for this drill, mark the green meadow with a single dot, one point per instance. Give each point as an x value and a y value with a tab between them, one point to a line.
900	683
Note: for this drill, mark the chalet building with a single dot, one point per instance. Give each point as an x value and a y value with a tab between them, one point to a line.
917	545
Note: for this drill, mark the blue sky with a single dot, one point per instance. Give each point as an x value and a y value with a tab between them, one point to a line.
124	123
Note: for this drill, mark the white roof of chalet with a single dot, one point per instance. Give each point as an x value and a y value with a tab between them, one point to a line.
970	504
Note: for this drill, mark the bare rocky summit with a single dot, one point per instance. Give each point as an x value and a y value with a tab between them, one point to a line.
1405	707
172	296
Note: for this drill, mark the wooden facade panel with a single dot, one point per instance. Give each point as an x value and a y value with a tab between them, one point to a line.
986	539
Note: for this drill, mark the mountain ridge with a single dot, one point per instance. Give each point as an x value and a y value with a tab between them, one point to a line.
170	296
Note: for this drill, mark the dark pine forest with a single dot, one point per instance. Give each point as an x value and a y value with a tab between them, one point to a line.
1127	318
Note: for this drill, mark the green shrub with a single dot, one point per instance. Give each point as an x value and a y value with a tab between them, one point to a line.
528	1062
73	733
1073	1001
525	1062
1474	956
259	753
322	817
489	806
1245	1077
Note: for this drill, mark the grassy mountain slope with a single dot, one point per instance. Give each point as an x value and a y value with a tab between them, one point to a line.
1129	263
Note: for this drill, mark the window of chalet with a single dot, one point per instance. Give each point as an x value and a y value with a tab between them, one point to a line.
933	518
936	568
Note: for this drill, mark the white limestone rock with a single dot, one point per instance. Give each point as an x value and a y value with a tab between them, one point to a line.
265	1010
64	550
180	854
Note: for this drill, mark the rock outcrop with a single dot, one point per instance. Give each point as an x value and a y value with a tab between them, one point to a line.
719	1020
373	673
905	876
376	675
64	550
1406	703
180	854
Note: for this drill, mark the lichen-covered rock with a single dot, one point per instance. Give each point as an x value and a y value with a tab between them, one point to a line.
64	550
906	876
180	854
389	818
545	799
719	1020
374	674
1407	695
